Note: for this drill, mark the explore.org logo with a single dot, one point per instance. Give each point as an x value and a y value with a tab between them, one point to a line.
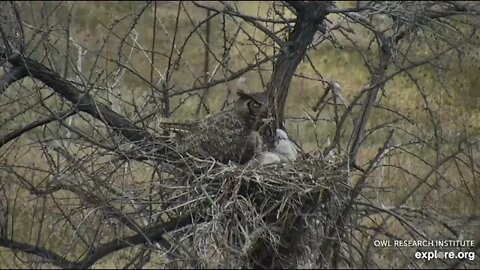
437	248
461	255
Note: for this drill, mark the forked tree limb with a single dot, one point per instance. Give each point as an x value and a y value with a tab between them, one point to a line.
83	102
150	146
377	82
154	234
39	122
310	15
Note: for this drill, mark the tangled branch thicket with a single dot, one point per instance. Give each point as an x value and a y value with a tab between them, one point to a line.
381	98
258	217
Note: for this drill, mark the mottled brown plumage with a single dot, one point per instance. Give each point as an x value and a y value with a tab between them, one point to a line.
234	135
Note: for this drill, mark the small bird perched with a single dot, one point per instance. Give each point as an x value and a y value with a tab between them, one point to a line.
284	151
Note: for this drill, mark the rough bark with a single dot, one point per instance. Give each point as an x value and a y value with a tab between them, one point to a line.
310	15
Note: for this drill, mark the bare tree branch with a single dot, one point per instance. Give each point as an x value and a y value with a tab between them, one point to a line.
82	101
40	122
17	73
153	234
113	191
47	255
309	16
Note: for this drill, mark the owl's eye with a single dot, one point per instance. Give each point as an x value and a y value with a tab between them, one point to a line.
255	106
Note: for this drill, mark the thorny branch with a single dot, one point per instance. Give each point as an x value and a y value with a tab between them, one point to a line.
211	214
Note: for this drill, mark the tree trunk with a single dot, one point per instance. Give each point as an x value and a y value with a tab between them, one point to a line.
309	16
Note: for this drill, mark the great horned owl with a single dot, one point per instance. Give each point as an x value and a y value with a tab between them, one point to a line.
234	135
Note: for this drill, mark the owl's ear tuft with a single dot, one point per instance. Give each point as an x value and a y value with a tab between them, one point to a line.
241	87
242	83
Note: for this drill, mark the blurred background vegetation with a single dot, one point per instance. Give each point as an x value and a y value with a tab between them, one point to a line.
114	41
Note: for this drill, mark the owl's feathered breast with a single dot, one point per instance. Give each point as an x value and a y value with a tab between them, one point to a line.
222	136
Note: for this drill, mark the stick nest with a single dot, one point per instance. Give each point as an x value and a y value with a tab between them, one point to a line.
257	217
